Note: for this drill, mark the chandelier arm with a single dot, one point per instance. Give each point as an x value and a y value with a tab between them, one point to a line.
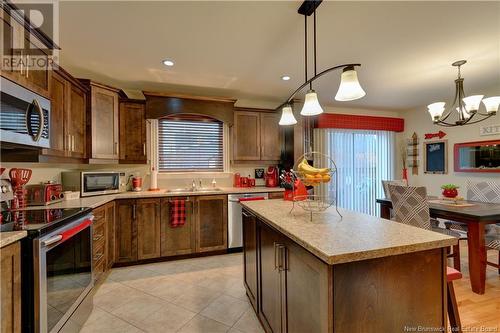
479	120
483	114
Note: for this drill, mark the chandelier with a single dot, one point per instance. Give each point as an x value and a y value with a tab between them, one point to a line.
349	88
465	109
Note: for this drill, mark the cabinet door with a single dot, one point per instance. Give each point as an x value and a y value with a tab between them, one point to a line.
126	231
10	291
132	133
270	137
270	279
181	239
59	96
13	47
246	136
104	123
306	296
37	71
110	239
211	228
148	228
250	257
75	123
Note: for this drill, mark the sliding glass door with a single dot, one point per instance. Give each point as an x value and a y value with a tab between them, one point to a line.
364	159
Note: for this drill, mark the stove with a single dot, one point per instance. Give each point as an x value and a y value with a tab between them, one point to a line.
56	265
38	222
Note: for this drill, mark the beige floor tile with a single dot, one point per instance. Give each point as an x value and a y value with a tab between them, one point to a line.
115	298
130	273
249	323
169	318
200	324
169	288
138	308
196	298
225	309
107	323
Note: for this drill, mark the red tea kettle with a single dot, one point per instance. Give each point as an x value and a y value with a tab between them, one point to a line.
271	177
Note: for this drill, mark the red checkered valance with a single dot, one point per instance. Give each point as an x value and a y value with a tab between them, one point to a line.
334	120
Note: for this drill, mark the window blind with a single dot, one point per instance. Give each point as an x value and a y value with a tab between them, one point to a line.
190	145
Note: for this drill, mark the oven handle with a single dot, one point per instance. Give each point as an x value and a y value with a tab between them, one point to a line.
67	234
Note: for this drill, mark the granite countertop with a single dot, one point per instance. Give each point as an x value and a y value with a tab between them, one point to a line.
99	200
355	237
9	237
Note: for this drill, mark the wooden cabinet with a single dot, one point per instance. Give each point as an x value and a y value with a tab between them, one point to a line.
211	223
256	136
67	121
126	231
10	288
132	132
177	240
148	228
102	122
110	232
25	63
99	235
281	278
250	257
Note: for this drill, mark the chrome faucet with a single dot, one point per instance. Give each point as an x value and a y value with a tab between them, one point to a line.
193	186
201	186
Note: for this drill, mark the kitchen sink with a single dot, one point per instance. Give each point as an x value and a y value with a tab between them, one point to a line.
189	190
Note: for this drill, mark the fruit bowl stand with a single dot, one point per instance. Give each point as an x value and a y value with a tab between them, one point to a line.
322	175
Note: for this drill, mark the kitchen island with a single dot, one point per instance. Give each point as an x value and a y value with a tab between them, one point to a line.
356	274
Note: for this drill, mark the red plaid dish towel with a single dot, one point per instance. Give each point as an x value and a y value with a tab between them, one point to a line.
177	212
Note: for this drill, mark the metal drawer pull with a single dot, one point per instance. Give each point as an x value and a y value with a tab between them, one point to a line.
275	255
245	214
98	256
52	240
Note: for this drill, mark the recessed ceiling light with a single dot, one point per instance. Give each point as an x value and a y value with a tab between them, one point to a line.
168	62
285	78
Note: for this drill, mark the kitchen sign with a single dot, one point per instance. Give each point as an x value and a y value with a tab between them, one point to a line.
489	130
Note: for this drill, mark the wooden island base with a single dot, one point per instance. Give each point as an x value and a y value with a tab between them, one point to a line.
292	290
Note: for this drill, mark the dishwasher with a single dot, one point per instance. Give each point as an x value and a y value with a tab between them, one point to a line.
235	227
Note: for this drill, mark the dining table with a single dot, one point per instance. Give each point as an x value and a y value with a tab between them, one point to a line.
476	215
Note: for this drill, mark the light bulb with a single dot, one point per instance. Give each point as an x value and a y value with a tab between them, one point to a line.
311	105
472	103
287	117
491	104
349	88
436	110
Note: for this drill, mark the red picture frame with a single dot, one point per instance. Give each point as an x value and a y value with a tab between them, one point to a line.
456	155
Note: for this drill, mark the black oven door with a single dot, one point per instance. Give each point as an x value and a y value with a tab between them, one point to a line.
64	279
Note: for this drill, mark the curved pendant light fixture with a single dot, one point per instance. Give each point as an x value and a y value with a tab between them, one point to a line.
465	108
349	88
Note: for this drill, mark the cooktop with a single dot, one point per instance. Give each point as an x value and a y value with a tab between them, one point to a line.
39	221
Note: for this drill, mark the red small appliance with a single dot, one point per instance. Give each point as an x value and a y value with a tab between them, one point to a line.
237	180
272	177
44	194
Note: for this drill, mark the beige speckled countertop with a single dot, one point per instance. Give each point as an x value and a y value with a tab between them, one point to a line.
9	237
356	237
96	201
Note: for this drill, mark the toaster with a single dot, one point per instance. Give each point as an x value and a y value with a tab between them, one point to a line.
44	194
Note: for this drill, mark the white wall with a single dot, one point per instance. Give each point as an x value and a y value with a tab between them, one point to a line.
419	121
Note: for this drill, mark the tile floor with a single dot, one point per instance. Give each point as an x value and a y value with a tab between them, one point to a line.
194	295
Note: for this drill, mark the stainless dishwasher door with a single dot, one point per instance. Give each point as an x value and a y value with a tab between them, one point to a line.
235	227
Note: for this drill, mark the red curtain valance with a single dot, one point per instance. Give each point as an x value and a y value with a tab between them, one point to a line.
334	120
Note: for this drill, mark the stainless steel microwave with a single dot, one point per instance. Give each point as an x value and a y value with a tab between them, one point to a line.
90	183
24	116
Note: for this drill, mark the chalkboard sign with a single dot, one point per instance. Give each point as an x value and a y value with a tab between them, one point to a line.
436	157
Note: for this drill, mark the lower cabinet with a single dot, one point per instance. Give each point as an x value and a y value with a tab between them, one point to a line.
103	239
177	240
110	232
10	288
211	223
126	231
280	277
148	228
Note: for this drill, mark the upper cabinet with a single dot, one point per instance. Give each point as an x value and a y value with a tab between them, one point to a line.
256	136
132	132
67	121
102	123
30	65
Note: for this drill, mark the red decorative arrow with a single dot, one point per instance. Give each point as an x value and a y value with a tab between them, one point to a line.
439	134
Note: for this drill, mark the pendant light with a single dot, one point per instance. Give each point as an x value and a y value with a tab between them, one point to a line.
287	117
349	88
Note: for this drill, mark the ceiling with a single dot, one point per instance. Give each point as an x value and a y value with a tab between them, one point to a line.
241	49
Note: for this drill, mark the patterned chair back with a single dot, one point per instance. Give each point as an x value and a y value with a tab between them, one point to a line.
386	183
483	191
410	206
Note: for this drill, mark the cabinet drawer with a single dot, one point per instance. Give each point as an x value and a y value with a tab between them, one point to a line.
99	215
99	269
99	232
98	250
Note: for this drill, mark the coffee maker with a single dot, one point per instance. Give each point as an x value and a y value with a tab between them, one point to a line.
272	176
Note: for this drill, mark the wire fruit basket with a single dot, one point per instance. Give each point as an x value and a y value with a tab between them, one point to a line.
319	171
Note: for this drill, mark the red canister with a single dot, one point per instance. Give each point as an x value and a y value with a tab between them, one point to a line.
237	180
244	182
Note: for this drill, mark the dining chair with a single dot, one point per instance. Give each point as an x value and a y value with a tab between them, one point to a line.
411	207
385	185
482	191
